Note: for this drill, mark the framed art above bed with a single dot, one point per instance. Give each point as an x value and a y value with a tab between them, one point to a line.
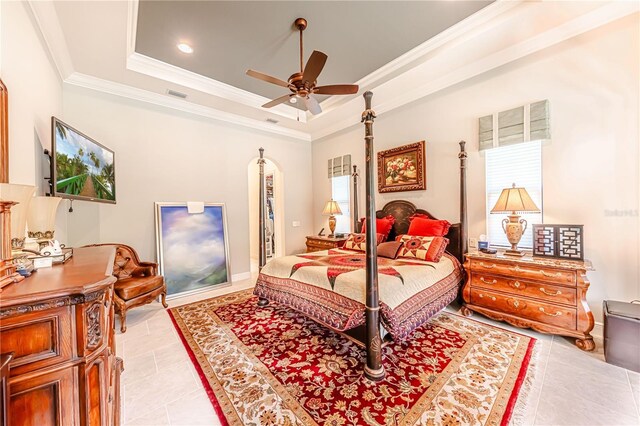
402	168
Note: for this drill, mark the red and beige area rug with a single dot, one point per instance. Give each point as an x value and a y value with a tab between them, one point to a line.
273	366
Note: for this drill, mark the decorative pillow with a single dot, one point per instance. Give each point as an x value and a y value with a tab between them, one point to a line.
389	249
423	226
425	248
358	242
383	225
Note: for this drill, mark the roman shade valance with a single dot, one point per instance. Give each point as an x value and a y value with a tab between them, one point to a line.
339	166
522	124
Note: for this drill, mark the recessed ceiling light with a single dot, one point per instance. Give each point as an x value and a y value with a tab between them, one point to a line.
293	100
185	48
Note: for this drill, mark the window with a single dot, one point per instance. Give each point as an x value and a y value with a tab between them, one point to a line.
520	164
340	193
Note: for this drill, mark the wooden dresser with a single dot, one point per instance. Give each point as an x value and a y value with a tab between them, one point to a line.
317	243
59	325
543	294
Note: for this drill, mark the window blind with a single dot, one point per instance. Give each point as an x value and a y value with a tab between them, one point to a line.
339	166
340	192
520	164
522	124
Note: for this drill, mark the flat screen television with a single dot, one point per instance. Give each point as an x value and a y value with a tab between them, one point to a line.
81	168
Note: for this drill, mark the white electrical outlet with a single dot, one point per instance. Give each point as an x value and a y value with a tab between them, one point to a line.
473	242
295	223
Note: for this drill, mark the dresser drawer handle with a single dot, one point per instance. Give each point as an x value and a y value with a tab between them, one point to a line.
490	297
517	304
558	313
488	282
548	293
493	265
546	274
515	284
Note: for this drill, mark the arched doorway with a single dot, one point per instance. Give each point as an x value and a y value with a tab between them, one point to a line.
274	210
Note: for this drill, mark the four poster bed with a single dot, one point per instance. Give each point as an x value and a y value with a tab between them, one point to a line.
356	292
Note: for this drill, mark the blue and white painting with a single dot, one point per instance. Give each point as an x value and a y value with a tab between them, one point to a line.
192	247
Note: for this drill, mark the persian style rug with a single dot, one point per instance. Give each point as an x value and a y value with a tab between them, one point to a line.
273	366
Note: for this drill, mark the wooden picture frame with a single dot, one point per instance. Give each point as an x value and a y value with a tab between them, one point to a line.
402	168
4	134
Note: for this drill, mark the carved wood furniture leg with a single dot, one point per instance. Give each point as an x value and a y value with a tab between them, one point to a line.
587	344
262	302
466	311
123	320
164	298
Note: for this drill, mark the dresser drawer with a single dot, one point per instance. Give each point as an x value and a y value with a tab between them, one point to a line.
517	287
559	316
37	339
534	272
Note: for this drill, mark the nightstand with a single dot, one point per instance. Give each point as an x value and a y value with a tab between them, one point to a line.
317	243
547	295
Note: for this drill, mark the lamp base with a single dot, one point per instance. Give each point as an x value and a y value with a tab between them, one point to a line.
332	226
515	253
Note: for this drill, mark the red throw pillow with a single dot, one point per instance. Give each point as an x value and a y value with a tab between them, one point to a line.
422	225
358	242
383	225
430	249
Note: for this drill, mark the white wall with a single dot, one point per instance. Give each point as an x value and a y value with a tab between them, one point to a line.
164	155
35	94
589	168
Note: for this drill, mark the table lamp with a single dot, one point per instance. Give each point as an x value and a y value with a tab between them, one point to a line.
332	208
514	200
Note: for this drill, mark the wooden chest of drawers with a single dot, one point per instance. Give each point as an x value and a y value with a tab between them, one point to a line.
316	243
58	324
546	295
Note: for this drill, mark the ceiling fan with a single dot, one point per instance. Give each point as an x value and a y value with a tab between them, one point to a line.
303	84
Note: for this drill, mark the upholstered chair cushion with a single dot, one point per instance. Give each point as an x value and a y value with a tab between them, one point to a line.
129	288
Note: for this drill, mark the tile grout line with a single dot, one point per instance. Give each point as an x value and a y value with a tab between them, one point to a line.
166	412
633	395
544	377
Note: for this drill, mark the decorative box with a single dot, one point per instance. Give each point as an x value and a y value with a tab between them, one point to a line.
558	241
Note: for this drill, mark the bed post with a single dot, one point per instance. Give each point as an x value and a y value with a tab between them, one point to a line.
262	255
373	370
463	201
356	219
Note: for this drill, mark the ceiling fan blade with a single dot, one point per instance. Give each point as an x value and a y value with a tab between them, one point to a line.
267	78
312	105
277	101
314	66
337	89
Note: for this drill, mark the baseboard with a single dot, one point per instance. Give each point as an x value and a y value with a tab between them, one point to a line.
598	330
241	276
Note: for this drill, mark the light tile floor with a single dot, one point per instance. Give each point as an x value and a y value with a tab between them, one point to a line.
161	387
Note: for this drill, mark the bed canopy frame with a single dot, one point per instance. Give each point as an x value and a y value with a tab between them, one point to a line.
401	210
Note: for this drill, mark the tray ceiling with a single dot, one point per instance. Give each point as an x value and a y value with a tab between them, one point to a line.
230	37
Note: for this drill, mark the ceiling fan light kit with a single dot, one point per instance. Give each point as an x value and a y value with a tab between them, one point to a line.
303	84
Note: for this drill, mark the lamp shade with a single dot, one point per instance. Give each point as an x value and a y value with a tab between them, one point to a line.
515	200
41	218
331	208
22	194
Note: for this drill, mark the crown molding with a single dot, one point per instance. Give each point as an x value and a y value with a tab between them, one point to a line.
457	33
48	25
173	74
122	90
402	90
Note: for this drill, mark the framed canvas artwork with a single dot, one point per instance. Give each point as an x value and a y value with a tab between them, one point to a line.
193	248
402	168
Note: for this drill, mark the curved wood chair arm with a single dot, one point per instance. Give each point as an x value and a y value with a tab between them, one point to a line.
152	267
